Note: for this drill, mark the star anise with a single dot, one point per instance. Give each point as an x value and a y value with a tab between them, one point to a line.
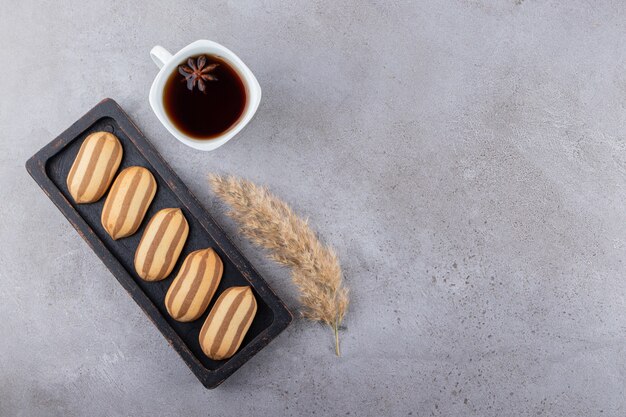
197	73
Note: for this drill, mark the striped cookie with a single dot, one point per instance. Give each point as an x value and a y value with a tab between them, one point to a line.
161	244
94	167
194	286
227	323
128	201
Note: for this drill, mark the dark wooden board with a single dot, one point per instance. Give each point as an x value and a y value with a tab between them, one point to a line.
50	166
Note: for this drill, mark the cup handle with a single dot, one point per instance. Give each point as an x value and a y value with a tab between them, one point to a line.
160	56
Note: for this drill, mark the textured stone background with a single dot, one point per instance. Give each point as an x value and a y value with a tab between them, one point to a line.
466	158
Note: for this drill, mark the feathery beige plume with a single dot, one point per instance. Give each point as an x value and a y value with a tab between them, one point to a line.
271	223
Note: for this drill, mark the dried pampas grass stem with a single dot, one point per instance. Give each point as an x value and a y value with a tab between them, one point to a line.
271	223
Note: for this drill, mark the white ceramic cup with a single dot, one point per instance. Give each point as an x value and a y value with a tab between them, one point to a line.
168	63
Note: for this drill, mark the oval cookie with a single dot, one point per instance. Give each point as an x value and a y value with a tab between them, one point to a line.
128	201
227	323
161	244
94	167
194	286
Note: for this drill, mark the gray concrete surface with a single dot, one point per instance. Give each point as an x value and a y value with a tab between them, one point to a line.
466	158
